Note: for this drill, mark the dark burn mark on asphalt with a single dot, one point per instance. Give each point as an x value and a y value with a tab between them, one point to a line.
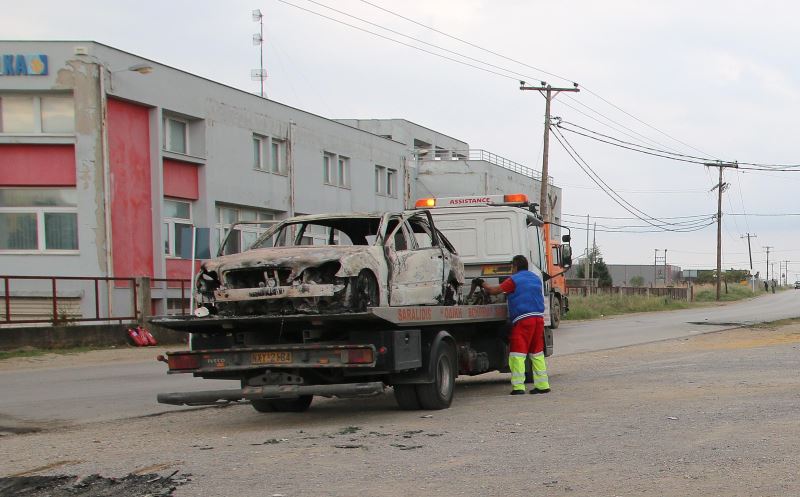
92	486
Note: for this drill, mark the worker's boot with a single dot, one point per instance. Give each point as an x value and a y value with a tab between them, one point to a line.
517	392
536	390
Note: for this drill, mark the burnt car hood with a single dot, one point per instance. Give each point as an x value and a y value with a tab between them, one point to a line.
297	258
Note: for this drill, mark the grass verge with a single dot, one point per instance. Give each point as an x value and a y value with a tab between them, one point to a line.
597	306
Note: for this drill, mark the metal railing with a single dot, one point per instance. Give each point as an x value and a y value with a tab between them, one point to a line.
57	315
482	155
184	285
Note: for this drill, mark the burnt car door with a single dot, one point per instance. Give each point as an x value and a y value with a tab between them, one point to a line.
415	269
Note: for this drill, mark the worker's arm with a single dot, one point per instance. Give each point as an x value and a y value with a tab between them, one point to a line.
506	287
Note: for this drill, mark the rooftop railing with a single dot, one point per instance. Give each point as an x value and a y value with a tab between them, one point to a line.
482	155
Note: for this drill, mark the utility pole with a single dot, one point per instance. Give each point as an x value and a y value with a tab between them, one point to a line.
750	253
594	246
767	247
655	268
586	273
548	92
720	188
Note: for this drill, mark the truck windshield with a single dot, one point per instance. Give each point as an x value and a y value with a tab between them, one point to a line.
320	232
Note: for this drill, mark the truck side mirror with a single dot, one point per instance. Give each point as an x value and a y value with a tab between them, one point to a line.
566	238
566	256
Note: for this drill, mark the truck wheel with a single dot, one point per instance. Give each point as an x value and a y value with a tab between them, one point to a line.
439	394
300	404
406	397
555	312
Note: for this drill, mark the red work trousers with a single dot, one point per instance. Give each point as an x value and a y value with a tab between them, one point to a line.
527	336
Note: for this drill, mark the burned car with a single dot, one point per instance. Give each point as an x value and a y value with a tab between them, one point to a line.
323	264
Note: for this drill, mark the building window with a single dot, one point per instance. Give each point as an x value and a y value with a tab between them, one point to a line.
327	168
380	182
38	220
391	182
258	147
53	114
245	234
385	181
177	221
343	172
176	135
277	156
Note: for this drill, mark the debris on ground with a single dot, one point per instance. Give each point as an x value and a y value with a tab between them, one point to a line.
91	486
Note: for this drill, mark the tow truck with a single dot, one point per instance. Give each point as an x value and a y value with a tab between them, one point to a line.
282	361
488	230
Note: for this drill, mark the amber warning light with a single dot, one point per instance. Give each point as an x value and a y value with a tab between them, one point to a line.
425	202
515	198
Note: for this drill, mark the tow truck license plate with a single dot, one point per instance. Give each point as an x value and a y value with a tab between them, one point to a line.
271	357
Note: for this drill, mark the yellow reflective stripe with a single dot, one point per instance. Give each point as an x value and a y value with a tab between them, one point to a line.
539	373
513	374
516	354
538	354
517	382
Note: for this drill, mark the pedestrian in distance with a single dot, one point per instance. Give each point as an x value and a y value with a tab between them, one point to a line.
773	286
525	295
766	286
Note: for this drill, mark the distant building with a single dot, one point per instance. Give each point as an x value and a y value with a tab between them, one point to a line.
621	274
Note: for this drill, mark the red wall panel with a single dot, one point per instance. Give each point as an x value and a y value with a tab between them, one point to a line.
37	165
180	180
181	269
131	198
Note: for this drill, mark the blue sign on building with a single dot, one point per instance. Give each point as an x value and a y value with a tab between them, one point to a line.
23	65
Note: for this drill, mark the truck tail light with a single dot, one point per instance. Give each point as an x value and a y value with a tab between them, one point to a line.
359	356
425	202
183	361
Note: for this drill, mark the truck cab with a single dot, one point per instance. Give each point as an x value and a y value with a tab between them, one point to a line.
488	231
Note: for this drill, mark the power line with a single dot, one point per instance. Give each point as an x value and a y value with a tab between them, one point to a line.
671	155
620	217
467	42
486	50
607	189
398	41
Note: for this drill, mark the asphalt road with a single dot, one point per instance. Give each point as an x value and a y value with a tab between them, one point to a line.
84	394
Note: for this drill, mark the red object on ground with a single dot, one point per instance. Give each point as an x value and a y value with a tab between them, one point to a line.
147	336
137	338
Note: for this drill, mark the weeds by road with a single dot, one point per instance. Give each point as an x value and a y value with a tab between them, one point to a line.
598	306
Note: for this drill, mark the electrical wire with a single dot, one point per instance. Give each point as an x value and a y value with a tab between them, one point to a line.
398	41
594	135
663	225
486	50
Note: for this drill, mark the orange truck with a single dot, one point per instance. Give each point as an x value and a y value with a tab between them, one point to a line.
557	250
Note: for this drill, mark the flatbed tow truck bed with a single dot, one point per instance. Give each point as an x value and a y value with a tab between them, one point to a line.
282	361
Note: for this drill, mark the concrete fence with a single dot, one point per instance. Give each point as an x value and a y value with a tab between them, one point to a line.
674	293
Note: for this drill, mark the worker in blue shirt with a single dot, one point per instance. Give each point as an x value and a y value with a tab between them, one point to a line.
525	294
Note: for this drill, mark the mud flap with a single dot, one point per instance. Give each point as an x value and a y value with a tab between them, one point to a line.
548	341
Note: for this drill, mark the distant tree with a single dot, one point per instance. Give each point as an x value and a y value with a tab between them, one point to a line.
601	273
705	277
637	281
595	261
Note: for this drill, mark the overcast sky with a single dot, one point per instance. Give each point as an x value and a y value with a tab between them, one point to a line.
720	77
